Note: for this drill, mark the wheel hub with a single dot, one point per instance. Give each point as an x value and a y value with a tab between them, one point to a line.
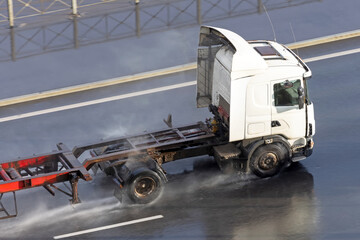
145	186
268	161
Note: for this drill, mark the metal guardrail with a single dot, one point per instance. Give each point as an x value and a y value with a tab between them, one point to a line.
119	19
19	9
11	10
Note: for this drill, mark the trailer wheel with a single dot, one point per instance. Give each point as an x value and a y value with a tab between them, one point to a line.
145	186
268	160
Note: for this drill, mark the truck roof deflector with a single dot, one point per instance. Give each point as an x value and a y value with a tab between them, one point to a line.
245	58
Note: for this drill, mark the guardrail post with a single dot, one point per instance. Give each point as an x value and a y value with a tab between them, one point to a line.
260	6
198	11
10	13
74	7
75	32
137	16
12	42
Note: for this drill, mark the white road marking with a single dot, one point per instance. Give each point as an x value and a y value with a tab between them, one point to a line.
332	55
149	91
97	101
108	227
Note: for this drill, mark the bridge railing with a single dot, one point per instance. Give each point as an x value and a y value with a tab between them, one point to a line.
117	19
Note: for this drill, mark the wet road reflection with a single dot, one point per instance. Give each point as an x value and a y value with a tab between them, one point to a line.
201	203
282	207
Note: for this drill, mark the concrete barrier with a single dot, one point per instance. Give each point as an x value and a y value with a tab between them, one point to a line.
156	73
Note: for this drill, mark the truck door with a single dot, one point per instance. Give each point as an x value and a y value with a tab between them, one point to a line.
287	118
258	110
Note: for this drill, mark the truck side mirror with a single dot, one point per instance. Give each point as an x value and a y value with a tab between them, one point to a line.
301	98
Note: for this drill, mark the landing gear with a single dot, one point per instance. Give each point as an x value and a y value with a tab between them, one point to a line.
4	212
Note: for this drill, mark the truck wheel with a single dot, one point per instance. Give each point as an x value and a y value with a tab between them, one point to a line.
268	160
145	187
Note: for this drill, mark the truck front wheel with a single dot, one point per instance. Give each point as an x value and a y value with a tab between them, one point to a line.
145	187
268	160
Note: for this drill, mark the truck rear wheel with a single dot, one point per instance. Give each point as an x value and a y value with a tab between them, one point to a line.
268	160
145	186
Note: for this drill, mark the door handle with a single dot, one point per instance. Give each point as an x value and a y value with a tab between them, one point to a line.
275	124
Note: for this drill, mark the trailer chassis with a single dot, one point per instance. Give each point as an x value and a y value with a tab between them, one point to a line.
63	165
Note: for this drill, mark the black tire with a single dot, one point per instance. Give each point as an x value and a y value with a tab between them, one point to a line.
145	186
268	160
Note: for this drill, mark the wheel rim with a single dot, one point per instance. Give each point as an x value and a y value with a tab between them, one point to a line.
268	161
145	186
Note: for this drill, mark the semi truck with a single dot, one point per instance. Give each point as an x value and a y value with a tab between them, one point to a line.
262	121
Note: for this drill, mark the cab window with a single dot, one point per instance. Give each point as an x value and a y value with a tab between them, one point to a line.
286	93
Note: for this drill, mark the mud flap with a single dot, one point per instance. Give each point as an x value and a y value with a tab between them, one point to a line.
118	189
119	193
5	212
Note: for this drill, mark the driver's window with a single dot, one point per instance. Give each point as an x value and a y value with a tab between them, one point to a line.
286	93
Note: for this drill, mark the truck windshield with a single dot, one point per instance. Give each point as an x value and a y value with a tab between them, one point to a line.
286	93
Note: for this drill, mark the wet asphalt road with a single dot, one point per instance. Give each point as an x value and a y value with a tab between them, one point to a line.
317	199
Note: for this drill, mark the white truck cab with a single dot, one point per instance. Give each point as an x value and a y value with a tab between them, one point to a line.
258	89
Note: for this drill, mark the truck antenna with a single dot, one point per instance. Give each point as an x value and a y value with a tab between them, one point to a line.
292	31
272	26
